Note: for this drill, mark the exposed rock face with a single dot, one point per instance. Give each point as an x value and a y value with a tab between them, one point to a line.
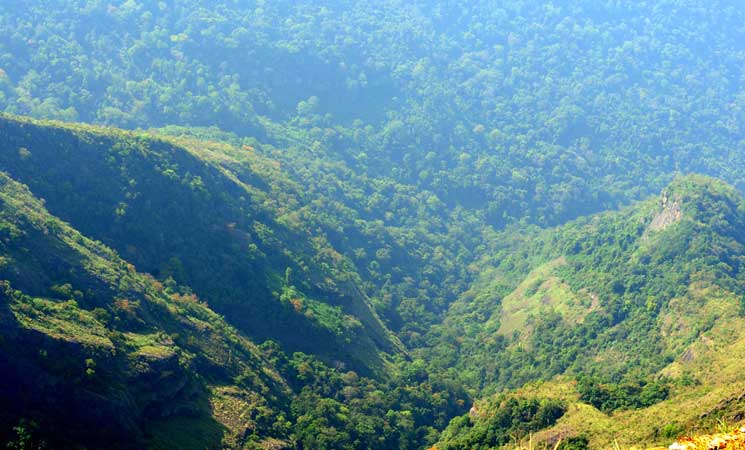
671	213
733	408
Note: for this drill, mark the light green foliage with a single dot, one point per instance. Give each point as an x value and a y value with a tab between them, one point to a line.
649	293
501	421
369	203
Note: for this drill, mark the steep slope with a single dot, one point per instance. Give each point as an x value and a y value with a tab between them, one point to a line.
94	353
528	111
642	306
411	253
173	214
165	225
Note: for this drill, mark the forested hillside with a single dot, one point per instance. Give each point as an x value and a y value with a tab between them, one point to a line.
637	306
615	296
476	116
121	358
522	109
95	353
342	224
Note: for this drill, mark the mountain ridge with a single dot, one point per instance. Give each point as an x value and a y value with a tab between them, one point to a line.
109	348
73	194
223	385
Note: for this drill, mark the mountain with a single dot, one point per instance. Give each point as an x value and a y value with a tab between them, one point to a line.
174	214
115	243
643	307
407	152
525	109
402	223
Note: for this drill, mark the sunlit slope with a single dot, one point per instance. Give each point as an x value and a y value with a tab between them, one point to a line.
612	295
645	306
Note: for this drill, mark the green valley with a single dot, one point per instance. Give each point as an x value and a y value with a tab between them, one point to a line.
370	225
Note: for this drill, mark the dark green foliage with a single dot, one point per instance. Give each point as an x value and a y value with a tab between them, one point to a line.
574	443
25	437
505	420
145	362
528	109
182	218
629	394
363	197
92	350
343	410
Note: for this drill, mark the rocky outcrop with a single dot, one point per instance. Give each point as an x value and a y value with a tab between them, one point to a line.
670	212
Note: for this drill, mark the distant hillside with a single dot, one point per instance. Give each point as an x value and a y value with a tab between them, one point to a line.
644	307
525	109
406	150
344	224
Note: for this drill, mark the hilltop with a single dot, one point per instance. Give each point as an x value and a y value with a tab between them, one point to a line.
639	313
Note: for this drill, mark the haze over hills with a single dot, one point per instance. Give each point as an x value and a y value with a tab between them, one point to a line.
345	225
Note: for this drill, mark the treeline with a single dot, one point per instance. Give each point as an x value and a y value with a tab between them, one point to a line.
502	421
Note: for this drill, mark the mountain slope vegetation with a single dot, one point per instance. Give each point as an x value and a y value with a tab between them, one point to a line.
482	117
608	294
175	215
524	109
630	303
641	307
148	347
101	355
370	225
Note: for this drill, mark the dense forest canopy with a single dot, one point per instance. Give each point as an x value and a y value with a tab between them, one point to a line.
346	224
519	109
